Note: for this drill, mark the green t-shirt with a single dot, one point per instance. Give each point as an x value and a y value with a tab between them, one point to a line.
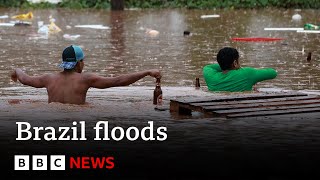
238	80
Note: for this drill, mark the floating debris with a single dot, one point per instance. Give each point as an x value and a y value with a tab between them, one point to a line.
7	24
93	26
302	51
309	57
296	17
283	29
186	33
71	37
256	39
309	26
308	31
152	32
53	28
22	24
210	16
24	17
4	17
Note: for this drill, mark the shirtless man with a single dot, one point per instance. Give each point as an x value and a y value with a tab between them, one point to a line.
70	86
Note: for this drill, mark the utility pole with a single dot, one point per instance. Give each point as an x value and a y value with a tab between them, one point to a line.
117	5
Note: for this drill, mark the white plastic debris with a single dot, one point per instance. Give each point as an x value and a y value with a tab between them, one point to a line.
49	1
40	23
210	16
92	26
44	29
296	17
4	17
7	24
152	32
71	37
283	29
308	31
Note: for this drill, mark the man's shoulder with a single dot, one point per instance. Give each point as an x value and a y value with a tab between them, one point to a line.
87	75
255	69
247	69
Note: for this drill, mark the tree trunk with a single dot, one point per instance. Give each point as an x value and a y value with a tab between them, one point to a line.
117	4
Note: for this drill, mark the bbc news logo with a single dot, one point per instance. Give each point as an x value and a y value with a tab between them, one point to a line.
39	162
58	162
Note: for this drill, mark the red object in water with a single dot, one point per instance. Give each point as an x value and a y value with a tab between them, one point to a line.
256	39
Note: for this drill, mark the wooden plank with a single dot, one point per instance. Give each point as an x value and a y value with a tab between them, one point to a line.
284	103
240	97
233	111
256	101
180	108
275	112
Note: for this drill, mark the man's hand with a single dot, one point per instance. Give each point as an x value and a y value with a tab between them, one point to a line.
155	73
255	89
14	76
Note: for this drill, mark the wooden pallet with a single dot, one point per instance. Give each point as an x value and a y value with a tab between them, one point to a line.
248	105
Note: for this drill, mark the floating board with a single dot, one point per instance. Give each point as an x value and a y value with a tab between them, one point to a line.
210	16
248	105
7	24
71	37
92	26
256	39
4	17
308	31
283	29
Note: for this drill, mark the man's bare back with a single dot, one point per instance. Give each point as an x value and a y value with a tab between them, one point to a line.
71	85
67	87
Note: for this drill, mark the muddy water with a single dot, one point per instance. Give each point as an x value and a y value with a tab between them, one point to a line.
125	48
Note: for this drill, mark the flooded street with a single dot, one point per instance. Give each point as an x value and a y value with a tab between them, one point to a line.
124	47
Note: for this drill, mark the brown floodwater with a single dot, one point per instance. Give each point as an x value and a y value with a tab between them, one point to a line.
125	47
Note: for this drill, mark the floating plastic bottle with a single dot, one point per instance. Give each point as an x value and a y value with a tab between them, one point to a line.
197	85
311	27
43	30
309	57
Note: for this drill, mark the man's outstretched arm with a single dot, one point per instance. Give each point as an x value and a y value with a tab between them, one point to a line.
122	80
34	81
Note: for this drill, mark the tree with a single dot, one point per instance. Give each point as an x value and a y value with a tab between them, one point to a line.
117	4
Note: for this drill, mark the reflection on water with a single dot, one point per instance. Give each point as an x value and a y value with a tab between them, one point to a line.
125	47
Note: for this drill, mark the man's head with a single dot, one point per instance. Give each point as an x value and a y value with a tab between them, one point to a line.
228	58
72	59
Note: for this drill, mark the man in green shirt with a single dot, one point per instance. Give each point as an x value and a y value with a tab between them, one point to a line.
229	76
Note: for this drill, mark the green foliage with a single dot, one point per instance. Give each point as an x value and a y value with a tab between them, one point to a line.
12	3
190	4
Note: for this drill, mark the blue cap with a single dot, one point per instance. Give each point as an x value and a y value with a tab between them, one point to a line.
70	56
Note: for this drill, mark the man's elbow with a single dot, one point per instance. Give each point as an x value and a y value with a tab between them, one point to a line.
274	73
